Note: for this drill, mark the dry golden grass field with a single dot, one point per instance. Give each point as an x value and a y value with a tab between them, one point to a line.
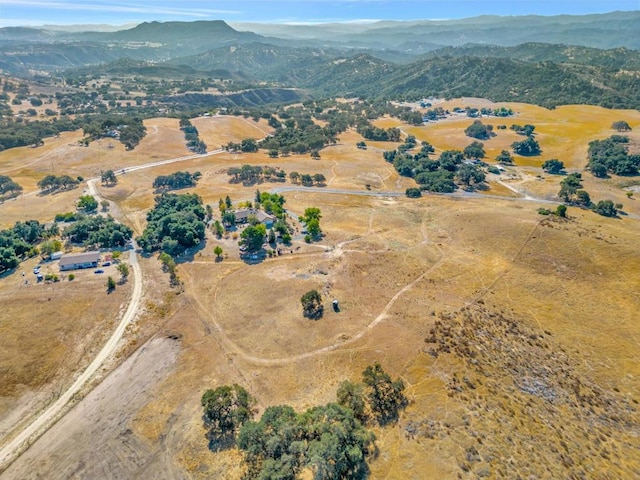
516	334
49	331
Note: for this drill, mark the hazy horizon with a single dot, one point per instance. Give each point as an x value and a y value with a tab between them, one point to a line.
109	12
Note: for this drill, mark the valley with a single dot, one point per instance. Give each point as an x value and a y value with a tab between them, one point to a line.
498	294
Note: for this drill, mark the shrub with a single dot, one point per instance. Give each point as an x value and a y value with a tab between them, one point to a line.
312	304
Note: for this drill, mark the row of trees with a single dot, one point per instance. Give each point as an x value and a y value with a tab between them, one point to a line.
250	174
192	136
330	440
253	174
51	183
306	179
176	180
248	145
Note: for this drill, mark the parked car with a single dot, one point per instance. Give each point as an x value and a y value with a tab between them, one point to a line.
106	264
98	271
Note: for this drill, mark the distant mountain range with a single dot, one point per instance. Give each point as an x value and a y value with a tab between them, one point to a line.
544	60
617	29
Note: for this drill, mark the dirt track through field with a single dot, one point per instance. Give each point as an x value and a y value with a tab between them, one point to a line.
51	414
56	410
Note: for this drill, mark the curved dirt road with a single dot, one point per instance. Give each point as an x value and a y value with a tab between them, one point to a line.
14	448
50	415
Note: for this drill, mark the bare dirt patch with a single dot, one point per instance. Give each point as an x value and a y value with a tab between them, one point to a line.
106	418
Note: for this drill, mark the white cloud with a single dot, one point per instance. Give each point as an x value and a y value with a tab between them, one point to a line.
112	7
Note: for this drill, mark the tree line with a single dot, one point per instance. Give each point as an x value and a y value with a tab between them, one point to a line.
51	183
192	136
176	181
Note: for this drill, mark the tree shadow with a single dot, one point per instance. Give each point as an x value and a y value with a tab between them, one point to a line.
220	442
254	258
189	254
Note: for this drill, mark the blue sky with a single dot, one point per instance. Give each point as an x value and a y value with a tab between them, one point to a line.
118	12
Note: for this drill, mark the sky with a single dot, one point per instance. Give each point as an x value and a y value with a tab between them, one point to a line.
120	12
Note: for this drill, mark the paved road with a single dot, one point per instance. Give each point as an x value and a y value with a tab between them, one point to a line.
390	193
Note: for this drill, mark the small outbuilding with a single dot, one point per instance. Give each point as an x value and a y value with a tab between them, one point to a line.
77	261
336	306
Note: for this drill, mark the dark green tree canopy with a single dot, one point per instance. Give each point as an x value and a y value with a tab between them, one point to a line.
553	166
528	147
611	156
505	157
99	231
475	150
312	304
328	439
621	126
253	237
479	130
225	410
606	208
385	396
174	224
176	180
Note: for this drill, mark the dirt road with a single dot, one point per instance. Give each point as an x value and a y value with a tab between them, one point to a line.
40	425
94	439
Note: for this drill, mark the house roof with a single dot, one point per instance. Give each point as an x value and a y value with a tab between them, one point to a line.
243	214
73	258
